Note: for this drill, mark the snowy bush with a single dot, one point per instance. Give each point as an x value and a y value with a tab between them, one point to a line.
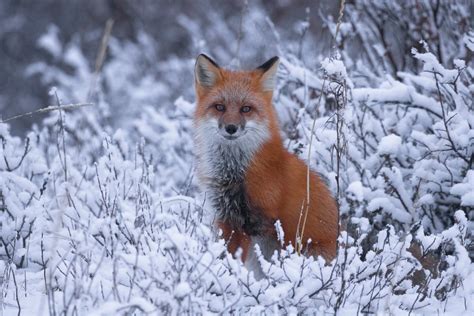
100	212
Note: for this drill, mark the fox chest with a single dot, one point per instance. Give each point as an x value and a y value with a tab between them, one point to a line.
225	185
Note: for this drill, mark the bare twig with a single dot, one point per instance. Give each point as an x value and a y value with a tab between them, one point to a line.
101	55
308	173
63	136
48	109
446	121
300	230
339	19
16	291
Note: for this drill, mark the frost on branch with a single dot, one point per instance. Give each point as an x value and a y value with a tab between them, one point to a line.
100	212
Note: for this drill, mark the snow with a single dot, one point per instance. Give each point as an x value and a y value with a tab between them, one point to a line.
114	223
280	232
181	290
465	189
469	40
334	67
389	145
50	41
303	75
355	191
434	68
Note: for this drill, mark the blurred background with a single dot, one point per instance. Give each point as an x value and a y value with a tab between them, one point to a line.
242	32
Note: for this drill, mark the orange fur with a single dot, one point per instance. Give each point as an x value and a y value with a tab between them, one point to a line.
282	195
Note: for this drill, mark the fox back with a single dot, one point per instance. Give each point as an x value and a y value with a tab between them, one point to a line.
249	177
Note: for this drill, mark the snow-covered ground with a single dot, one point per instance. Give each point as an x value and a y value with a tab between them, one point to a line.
100	213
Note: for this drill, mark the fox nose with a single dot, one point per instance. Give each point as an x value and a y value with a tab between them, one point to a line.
231	129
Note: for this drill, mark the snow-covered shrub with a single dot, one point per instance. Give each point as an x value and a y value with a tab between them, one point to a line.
100	213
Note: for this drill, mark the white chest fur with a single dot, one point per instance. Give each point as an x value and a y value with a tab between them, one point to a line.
221	167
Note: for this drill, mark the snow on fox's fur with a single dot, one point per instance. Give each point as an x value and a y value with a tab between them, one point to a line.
250	178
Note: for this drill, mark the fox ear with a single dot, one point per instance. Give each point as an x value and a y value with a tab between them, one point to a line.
269	70
206	71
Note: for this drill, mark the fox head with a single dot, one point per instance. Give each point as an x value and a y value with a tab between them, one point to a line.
235	107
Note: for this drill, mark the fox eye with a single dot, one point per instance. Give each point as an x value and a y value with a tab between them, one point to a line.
220	107
245	109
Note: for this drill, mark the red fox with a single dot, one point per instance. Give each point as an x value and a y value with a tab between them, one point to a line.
250	178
